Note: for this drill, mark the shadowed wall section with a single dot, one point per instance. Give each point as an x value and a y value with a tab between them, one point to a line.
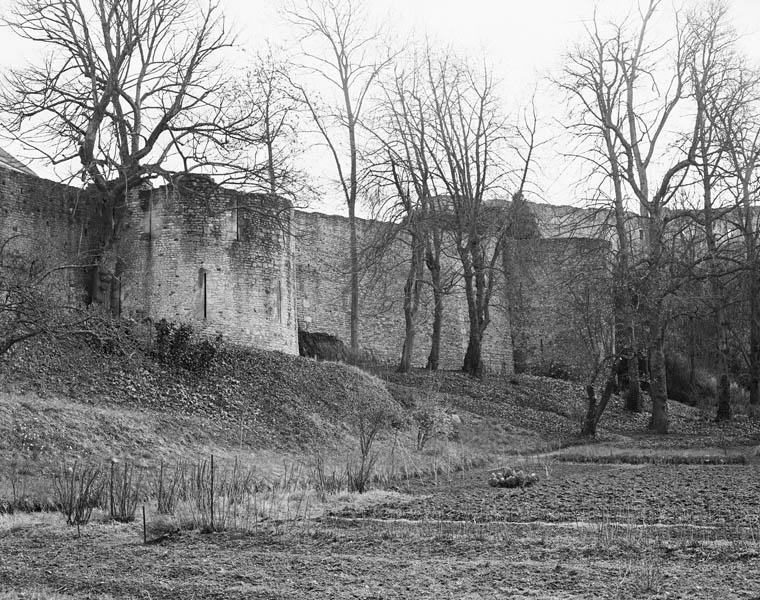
561	307
49	225
323	279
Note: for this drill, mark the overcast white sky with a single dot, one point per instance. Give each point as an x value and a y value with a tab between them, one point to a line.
525	40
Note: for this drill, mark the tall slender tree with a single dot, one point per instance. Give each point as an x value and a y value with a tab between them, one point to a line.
593	80
712	63
737	116
468	152
342	51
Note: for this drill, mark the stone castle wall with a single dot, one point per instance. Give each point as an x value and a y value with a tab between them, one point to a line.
560	300
218	259
48	225
324	295
255	271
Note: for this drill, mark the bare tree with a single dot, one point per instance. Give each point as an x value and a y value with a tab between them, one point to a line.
650	83
712	65
341	51
737	116
403	165
128	92
594	82
467	148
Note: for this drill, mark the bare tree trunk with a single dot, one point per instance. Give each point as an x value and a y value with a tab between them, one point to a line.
473	360
724	399
589	423
434	266
724	389
407	352
658	385
475	290
594	413
633	395
628	318
354	258
412	290
754	341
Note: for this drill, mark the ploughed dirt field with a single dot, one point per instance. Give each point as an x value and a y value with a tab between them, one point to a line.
585	530
631	515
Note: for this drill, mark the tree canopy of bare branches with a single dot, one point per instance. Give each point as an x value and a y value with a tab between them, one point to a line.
128	90
467	147
267	95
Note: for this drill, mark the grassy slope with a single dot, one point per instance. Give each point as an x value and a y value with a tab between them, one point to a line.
66	400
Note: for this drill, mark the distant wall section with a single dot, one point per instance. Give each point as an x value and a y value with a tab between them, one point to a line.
50	225
560	302
323	292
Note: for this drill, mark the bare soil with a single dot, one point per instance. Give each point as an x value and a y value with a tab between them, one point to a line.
585	531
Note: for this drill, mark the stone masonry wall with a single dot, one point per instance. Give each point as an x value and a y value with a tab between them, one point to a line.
215	258
323	298
561	303
50	225
228	263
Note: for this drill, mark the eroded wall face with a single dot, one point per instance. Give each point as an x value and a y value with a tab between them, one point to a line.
46	225
560	304
323	292
220	260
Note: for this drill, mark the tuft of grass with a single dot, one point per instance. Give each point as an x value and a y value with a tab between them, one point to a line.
647	574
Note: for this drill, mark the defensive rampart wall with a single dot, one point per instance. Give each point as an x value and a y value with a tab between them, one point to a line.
219	259
252	269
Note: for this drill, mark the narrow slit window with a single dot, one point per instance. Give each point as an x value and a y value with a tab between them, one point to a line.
201	295
237	221
279	303
205	297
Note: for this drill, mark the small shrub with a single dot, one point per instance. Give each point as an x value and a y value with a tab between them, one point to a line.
168	488
77	491
16	482
431	420
124	492
359	472
174	346
553	370
372	411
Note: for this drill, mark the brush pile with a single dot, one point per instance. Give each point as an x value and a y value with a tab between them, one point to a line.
510	478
